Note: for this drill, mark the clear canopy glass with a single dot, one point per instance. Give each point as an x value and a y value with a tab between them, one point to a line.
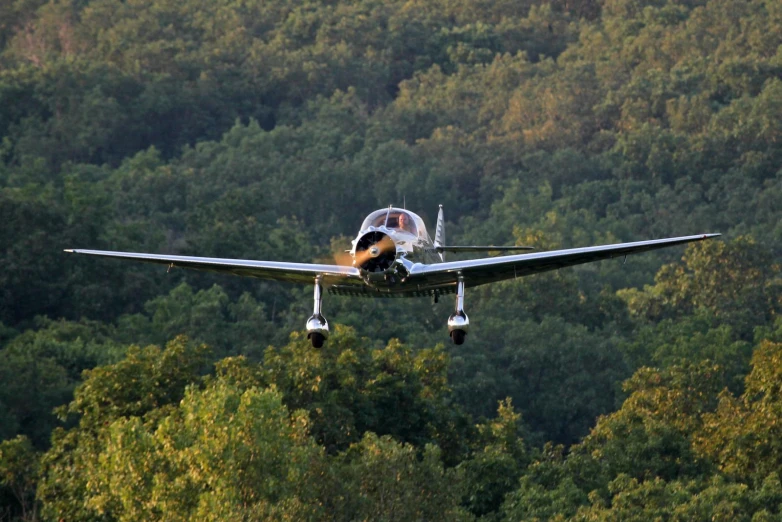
396	218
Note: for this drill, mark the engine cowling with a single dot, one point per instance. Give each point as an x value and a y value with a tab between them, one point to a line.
375	252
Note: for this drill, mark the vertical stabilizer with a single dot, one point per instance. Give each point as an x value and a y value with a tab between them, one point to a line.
439	235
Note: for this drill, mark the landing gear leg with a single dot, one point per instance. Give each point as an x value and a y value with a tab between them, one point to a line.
458	323
317	326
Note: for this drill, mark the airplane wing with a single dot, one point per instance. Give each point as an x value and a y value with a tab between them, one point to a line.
459	248
280	271
488	270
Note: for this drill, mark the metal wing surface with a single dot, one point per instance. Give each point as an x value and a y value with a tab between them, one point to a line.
488	270
279	271
460	248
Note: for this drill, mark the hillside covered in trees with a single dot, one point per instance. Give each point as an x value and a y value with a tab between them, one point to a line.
268	129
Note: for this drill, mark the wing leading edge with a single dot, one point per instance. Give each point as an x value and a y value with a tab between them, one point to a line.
421	277
280	271
488	270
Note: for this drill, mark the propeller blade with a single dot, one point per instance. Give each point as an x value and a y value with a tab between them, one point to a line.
384	246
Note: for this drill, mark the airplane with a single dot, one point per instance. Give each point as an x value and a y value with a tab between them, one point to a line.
394	256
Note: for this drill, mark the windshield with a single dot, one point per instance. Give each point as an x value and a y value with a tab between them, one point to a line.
399	219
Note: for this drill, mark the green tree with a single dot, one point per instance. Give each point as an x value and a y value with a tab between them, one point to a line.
653	432
145	384
19	468
382	479
735	281
497	461
206	316
742	435
40	369
220	454
560	375
350	387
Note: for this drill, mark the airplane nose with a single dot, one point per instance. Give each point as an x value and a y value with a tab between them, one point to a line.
374	251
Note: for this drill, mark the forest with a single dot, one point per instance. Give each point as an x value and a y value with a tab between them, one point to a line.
268	129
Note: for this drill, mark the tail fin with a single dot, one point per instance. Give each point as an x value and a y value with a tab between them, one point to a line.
439	235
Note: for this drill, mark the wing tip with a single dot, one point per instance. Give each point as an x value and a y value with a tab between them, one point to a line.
70	250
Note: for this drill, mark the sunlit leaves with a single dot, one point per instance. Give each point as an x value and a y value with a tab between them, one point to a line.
350	386
496	463
147	384
737	282
222	454
266	129
147	379
19	470
743	435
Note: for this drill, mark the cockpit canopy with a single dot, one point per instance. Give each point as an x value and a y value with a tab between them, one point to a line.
396	218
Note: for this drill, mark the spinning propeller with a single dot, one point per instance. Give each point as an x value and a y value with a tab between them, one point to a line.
375	252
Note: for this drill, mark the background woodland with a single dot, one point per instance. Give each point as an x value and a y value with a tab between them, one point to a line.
268	129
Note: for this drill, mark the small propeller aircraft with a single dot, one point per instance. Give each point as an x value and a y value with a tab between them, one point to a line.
394	256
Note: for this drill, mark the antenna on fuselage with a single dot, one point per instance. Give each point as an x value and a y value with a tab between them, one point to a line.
388	214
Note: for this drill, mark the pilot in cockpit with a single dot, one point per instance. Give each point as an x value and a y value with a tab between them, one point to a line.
393	219
404	223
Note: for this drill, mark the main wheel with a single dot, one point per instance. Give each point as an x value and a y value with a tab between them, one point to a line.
457	336
317	339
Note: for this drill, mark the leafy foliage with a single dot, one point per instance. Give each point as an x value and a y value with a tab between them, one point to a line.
267	130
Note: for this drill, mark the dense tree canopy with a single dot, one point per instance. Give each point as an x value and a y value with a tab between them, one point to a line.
267	130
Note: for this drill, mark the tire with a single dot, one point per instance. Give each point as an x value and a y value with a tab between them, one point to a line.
457	336
317	339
